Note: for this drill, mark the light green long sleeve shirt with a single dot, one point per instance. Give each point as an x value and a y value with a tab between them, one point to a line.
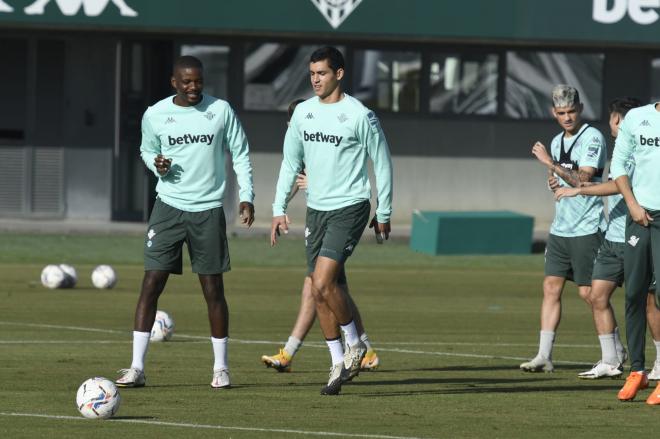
334	141
195	139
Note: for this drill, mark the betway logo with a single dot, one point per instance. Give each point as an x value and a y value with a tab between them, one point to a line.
322	137
639	11
187	139
649	141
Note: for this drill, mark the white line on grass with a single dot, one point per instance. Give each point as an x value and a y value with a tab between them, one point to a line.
211	427
320	345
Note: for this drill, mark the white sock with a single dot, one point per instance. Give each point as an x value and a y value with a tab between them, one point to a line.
220	353
140	346
292	346
657	350
350	333
617	343
365	339
336	350
547	338
608	349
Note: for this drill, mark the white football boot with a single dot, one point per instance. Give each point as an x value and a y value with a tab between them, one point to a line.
131	378
334	380
602	370
538	364
220	379
655	372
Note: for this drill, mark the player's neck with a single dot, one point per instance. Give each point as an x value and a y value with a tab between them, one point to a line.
568	134
335	96
657	106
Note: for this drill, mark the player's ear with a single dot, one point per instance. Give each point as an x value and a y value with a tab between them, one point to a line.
553	112
339	73
173	82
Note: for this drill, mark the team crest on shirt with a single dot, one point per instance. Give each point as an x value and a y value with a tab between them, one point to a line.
336	11
342	118
209	115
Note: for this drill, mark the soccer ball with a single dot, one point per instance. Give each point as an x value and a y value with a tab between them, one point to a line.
70	276
98	398
104	276
52	276
163	328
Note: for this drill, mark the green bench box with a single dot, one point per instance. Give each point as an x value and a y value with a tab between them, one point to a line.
454	233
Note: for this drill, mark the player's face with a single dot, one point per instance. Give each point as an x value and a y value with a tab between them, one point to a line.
615	121
324	79
568	117
188	83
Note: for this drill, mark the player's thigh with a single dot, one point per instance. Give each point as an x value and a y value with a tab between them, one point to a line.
344	230
163	242
608	265
558	258
207	241
637	259
583	250
315	228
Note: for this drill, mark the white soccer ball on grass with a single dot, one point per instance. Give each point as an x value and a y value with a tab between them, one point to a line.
98	398
52	276
104	277
163	328
70	276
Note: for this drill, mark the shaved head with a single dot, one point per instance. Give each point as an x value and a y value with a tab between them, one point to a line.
187	62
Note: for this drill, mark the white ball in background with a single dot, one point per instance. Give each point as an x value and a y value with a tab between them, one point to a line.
163	328
70	276
104	277
52	276
98	398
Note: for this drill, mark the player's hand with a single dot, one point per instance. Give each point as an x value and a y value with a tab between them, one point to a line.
553	183
382	230
162	164
640	215
279	225
564	192
301	181
539	151
246	213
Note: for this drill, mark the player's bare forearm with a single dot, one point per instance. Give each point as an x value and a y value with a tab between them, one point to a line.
599	190
623	184
572	177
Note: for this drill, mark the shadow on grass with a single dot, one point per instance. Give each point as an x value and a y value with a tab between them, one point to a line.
483	390
132	417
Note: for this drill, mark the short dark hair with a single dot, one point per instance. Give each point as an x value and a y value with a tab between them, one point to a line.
332	54
187	62
292	107
624	104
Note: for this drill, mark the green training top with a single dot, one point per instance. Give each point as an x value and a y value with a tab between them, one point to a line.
581	215
195	138
639	138
334	140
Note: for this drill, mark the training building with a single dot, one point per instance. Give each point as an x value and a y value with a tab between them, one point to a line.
461	88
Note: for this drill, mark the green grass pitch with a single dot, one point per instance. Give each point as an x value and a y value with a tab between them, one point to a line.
450	331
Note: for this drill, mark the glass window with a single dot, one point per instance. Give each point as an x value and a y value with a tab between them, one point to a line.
216	65
655	80
386	80
14	55
531	76
463	84
276	74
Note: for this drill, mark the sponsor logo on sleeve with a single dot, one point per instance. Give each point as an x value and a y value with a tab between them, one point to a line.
592	151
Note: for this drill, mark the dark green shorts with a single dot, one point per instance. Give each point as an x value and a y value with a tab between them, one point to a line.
572	258
609	262
334	234
203	232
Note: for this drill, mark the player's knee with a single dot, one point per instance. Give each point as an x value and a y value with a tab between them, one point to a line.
551	290
585	294
320	288
599	302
